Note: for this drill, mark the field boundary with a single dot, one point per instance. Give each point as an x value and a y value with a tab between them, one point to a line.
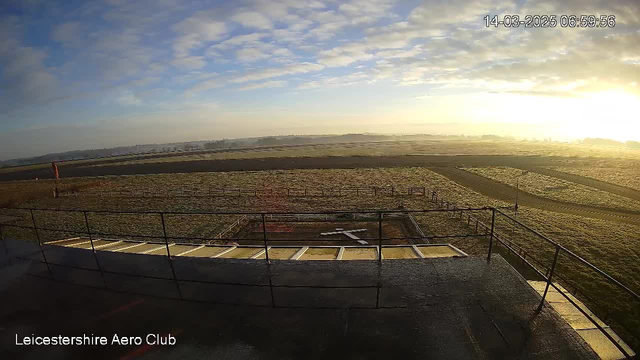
388	190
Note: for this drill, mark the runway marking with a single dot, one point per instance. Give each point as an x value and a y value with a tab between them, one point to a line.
128	247
224	252
188	251
154	249
57	241
105	245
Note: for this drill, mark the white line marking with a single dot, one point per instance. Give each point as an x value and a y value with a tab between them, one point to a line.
192	250
420	254
297	255
224	252
128	247
259	253
154	249
76	244
340	253
105	245
57	241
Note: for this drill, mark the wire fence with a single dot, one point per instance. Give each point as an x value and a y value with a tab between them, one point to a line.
258	192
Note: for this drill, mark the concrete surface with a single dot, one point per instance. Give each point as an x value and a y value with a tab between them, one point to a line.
455	308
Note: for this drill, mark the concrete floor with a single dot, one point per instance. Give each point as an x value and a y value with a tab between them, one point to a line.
460	308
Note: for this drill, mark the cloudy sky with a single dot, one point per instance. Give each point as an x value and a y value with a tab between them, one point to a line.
117	72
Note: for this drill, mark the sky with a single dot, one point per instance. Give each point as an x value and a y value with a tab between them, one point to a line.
79	75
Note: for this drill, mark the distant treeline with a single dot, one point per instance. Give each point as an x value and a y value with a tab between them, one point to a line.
264	141
609	142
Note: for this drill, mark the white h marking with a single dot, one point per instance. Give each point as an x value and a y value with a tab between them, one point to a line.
348	233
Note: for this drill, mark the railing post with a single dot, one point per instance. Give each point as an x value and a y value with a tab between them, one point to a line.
380	237
4	243
264	237
44	257
553	268
95	255
493	222
166	243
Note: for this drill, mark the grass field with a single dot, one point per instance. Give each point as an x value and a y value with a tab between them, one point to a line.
557	189
610	246
441	147
623	176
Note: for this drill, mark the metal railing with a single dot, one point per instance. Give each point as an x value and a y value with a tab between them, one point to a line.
379	216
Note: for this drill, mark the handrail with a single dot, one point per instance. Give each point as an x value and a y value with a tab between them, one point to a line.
585	262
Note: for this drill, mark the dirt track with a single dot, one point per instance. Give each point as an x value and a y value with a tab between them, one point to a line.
325	162
507	193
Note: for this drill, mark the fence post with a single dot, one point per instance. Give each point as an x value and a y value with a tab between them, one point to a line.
95	255
553	268
493	222
375	191
4	243
380	237
35	228
264	237
476	226
166	243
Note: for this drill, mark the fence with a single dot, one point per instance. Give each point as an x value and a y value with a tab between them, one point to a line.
259	192
626	320
482	229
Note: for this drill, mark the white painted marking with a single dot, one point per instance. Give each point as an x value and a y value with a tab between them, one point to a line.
57	241
105	245
297	255
154	249
78	243
259	253
457	250
340	253
418	252
348	233
224	252
192	250
128	247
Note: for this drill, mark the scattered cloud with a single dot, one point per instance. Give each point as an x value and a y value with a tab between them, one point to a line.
267	84
300	68
167	48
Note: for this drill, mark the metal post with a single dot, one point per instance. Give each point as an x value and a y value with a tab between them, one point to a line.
375	191
553	268
166	243
380	237
95	255
4	243
264	237
35	228
493	222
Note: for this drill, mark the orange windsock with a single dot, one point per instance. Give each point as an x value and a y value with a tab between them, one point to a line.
55	170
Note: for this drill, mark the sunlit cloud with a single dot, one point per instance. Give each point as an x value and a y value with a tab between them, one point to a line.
151	55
